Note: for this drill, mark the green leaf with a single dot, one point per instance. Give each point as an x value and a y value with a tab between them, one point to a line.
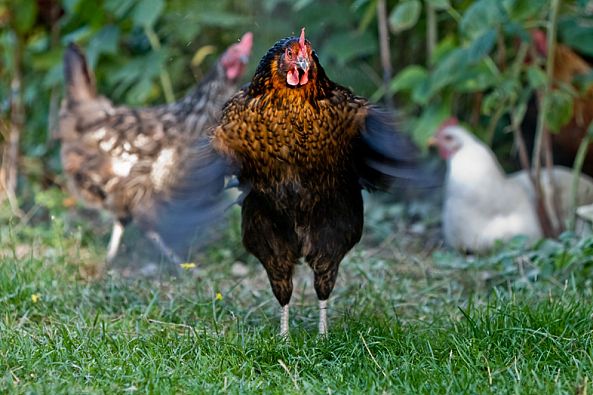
422	92
119	7
368	16
222	19
404	15
78	35
522	10
346	47
443	48
105	41
46	60
146	12
439	4
477	78
432	117
449	69
577	33
133	72
24	15
505	94
481	16
71	6
140	92
558	107
408	78
300	4
481	46
491	102
53	77
536	77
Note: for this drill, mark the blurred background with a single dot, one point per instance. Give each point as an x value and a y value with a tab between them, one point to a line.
427	59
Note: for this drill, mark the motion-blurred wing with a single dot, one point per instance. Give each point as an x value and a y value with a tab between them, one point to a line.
186	213
388	157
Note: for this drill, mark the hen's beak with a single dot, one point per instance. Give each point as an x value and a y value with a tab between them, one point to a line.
432	142
302	63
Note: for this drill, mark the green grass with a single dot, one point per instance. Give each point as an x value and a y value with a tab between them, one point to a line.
402	320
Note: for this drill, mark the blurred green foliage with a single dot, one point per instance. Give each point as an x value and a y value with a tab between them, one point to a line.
479	69
470	69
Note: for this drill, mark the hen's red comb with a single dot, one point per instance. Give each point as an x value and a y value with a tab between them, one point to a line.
449	122
540	41
302	39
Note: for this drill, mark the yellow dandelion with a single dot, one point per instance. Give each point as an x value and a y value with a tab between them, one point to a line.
35	298
188	265
218	296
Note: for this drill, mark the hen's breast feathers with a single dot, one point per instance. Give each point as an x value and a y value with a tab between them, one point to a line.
276	130
331	137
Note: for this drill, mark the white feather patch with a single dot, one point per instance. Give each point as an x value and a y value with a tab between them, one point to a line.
122	164
107	145
141	140
98	134
162	167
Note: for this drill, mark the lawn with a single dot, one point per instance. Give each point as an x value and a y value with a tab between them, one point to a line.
407	316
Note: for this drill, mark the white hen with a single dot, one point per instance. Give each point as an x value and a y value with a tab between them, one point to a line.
483	204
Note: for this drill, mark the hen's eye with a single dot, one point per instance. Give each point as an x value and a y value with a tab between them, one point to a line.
289	53
448	137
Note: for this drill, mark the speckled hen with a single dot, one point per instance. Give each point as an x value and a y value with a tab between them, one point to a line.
153	165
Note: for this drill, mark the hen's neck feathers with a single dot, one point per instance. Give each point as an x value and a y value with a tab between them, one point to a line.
211	86
201	106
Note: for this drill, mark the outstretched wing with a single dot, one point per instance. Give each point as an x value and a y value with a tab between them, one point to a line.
187	212
387	157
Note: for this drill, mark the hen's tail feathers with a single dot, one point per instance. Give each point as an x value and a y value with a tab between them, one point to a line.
187	213
79	80
390	158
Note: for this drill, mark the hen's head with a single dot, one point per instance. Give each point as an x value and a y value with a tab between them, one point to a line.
290	63
234	59
295	60
450	138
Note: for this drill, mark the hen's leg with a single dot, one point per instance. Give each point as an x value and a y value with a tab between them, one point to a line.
280	276
284	321
165	250
323	317
116	234
336	227
269	236
325	279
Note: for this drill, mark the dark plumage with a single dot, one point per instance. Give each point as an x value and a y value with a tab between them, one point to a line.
152	165
304	147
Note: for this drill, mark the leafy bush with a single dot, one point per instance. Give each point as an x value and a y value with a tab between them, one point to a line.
482	67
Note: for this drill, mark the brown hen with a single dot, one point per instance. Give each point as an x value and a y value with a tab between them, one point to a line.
304	147
568	67
153	165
